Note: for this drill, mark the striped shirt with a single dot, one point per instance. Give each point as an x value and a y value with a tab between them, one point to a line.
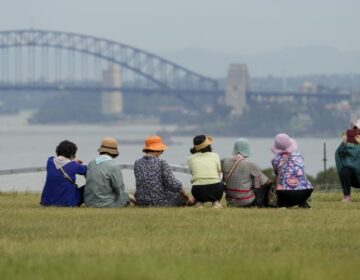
245	177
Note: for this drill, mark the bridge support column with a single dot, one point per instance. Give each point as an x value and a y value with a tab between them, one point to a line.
237	84
112	101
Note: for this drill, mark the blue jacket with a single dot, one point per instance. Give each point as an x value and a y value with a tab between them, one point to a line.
58	191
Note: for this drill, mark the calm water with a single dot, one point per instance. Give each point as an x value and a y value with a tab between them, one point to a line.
22	145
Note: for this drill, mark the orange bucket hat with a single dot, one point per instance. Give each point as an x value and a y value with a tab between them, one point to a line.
154	143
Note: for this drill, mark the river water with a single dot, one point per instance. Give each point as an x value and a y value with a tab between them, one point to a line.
23	145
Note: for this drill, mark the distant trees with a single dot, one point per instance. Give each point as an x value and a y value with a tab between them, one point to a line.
267	119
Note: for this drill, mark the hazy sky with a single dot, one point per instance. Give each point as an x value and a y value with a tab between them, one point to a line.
236	26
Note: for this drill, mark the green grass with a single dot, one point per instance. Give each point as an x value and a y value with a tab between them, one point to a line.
187	243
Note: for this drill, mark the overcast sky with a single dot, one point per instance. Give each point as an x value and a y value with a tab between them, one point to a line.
234	26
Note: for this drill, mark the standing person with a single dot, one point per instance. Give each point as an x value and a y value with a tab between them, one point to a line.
292	186
60	188
245	184
104	181
347	158
205	169
156	185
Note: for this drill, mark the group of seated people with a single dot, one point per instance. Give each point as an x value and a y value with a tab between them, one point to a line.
242	181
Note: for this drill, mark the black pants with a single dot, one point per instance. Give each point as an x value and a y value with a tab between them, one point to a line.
288	198
348	179
262	196
205	193
81	191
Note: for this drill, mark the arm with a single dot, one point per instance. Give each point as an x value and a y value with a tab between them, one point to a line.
118	183
80	168
190	200
259	178
218	165
171	183
169	180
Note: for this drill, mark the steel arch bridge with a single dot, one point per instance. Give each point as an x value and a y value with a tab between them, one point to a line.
162	73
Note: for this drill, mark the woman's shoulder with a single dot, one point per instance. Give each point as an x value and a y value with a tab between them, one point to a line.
138	161
281	156
228	160
214	155
162	161
76	166
50	159
190	157
50	164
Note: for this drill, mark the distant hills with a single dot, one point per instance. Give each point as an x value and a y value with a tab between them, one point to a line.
286	62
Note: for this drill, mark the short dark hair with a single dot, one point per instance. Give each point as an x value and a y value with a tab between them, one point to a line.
66	149
112	155
151	151
203	150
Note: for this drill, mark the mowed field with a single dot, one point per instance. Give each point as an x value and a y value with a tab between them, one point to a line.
185	243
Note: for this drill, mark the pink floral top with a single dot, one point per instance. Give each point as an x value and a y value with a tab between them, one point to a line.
290	171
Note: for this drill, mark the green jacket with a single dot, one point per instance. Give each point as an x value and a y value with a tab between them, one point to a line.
104	184
348	155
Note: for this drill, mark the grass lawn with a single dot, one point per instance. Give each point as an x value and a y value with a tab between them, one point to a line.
186	243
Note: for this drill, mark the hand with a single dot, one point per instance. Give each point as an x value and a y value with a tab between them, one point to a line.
344	137
191	201
78	160
269	182
132	199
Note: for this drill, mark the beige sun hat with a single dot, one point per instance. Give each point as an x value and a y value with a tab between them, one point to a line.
109	145
201	144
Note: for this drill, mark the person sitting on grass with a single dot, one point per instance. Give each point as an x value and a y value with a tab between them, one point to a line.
104	181
205	169
156	185
245	184
60	188
291	184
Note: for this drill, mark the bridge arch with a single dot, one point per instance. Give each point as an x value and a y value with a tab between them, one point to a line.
163	73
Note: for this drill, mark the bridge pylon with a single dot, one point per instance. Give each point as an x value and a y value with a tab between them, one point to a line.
112	101
237	85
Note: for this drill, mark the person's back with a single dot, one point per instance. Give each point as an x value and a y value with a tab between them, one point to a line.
59	190
292	185
205	168
245	184
292	175
105	185
104	181
156	185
